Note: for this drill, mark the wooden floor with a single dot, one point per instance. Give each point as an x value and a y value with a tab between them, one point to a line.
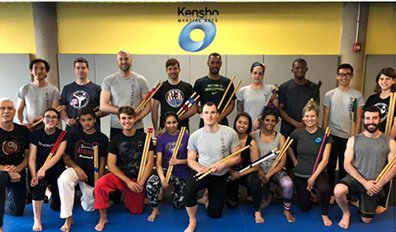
170	219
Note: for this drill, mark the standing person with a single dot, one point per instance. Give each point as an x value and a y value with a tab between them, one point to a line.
308	141
38	95
81	93
337	114
123	161
206	147
386	85
79	158
171	97
211	88
254	97
293	95
248	178
13	161
365	157
267	139
124	88
165	147
45	173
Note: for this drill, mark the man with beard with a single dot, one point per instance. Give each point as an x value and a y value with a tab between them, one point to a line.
124	88
171	96
211	88
123	161
365	156
293	95
81	93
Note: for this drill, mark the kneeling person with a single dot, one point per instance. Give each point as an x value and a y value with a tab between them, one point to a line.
123	161
79	158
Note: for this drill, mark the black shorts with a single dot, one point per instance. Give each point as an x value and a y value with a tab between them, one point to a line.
367	204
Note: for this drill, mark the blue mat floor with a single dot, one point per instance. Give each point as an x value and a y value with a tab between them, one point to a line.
170	219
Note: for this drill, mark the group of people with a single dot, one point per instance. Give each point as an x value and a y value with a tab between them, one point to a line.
216	157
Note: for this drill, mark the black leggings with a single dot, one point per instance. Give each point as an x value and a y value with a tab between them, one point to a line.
250	181
303	195
216	193
38	191
337	151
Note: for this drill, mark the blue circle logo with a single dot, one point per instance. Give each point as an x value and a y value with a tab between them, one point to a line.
318	140
185	41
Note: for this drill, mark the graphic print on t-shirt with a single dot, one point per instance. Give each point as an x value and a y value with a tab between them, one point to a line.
10	146
84	150
79	99
129	152
384	110
174	97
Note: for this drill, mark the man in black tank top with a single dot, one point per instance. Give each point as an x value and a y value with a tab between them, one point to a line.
365	156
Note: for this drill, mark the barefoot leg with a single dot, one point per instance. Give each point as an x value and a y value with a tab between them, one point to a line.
326	220
153	214
67	225
192	217
102	220
289	216
258	217
37	206
344	222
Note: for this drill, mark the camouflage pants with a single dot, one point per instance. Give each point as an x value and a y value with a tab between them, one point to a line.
153	188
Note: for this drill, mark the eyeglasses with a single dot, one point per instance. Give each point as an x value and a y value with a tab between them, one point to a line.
344	74
48	117
9	108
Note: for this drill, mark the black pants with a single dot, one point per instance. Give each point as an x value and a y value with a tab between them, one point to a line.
12	196
38	191
250	181
216	193
303	195
337	151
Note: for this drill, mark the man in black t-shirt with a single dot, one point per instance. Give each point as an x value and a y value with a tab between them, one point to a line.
171	96
211	88
14	140
123	161
79	158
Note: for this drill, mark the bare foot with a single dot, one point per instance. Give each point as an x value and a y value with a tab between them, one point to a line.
289	216
37	226
101	225
191	226
153	215
380	209
326	220
331	202
258	217
67	225
344	222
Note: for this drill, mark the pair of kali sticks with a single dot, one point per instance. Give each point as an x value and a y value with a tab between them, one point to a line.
145	153
387	168
175	151
148	97
186	107
321	149
59	109
55	147
226	92
391	111
210	170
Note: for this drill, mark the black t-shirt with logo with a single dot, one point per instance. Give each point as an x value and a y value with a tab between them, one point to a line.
80	147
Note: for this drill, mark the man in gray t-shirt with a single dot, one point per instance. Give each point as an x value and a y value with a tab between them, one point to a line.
124	88
365	157
38	95
206	147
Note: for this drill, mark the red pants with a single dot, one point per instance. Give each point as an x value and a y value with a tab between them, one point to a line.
108	183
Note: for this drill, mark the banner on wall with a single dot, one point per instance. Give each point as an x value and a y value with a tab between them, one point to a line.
203	19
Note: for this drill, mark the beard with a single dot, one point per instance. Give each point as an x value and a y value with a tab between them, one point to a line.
371	129
125	67
214	71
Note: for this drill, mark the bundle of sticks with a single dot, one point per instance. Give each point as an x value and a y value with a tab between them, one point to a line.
321	149
96	163
148	97
175	151
146	148
59	109
267	156
391	112
55	147
225	94
387	168
186	107
210	170
282	153
353	116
